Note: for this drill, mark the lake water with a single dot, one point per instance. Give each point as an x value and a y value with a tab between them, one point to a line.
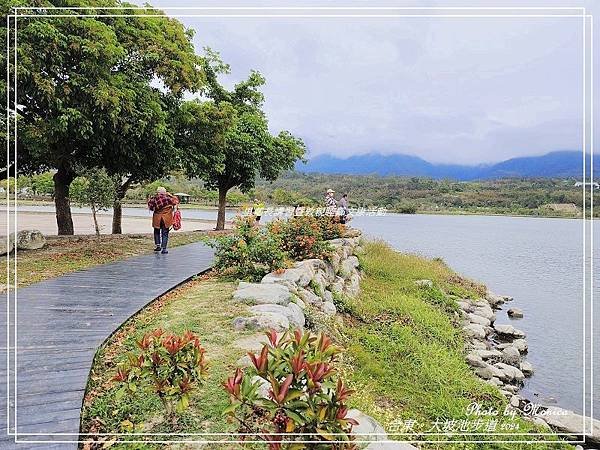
537	261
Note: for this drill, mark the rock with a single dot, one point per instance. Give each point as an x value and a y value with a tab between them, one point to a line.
511	388
568	422
465	305
494	299
298	275
252	343
309	297
7	243
508	331
337	286
527	368
352	286
262	321
488	354
515	313
367	428
509	373
29	239
352	233
494	382
329	308
475	331
515	401
484	310
262	293
327	296
348	266
299	302
488	372
520	344
474	318
475	360
292	311
424	283
541	423
511	355
478	345
507	298
263	386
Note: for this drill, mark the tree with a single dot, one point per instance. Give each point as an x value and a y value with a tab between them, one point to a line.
96	190
226	139
84	90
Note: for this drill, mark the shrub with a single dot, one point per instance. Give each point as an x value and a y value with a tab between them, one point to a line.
249	252
167	365
300	237
304	402
330	227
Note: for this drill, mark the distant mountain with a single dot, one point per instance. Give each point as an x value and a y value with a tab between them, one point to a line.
562	164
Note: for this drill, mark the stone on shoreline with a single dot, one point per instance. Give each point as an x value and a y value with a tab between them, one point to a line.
511	355
475	360
568	422
515	313
475	331
479	320
509	373
509	331
527	368
488	354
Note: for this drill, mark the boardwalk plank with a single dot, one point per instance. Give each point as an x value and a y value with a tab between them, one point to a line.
60	324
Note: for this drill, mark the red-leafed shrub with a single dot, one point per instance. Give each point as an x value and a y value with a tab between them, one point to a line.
305	400
168	365
300	237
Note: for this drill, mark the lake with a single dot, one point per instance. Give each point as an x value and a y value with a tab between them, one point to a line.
538	261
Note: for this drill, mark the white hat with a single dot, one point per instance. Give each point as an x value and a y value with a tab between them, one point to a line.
161	190
330	191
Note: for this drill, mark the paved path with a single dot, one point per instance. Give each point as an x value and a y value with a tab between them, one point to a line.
60	324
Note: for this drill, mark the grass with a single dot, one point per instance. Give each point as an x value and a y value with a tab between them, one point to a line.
69	254
203	306
405	354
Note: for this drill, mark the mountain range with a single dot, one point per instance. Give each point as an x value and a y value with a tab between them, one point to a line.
559	164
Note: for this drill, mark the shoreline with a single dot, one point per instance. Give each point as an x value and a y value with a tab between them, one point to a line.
192	206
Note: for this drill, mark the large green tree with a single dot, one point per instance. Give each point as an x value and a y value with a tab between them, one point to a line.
226	139
87	97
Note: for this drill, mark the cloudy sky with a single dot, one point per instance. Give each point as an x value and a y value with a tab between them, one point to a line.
465	90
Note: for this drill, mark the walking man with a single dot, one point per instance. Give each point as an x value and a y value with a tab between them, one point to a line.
162	205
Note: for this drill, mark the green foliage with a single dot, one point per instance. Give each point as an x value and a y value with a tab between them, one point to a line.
249	252
169	366
235	145
94	189
304	396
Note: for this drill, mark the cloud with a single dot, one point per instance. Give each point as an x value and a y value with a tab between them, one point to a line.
459	90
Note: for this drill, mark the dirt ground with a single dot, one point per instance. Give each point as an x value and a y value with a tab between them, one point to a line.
83	223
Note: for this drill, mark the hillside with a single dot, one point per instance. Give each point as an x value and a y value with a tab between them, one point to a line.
562	164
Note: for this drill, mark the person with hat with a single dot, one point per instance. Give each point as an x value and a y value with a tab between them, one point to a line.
162	205
330	203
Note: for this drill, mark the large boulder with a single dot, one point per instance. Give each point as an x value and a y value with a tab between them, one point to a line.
308	296
298	275
262	321
7	243
29	239
368	429
509	373
515	313
262	293
292	311
480	320
475	331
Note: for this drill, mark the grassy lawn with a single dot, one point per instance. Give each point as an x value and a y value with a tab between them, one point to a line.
64	255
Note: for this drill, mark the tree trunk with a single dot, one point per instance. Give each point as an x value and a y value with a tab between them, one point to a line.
222	204
117	216
118	207
96	226
62	182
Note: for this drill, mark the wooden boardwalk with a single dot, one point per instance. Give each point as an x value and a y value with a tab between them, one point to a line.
60	324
